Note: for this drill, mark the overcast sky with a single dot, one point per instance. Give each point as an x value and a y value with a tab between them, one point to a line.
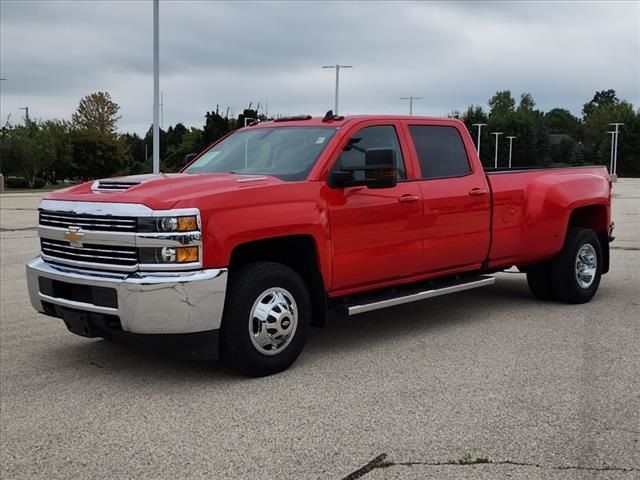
453	54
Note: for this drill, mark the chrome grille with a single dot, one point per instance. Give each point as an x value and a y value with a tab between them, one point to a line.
90	255
100	223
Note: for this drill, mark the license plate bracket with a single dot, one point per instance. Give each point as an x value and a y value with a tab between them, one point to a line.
78	323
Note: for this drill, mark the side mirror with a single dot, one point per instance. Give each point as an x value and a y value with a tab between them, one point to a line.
188	157
379	171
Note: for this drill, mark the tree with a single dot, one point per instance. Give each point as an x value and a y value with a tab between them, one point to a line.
190	143
96	155
598	143
526	103
561	121
502	103
97	112
29	151
600	99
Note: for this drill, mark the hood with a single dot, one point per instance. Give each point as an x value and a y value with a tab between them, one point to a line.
158	191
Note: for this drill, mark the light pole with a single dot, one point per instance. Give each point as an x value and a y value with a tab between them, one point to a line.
613	135
411	99
615	147
497	134
479	125
156	87
337	67
26	115
511	137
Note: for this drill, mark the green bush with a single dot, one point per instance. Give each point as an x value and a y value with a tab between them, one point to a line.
16	182
21	182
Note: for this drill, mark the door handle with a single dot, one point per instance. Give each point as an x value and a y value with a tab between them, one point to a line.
477	191
408	198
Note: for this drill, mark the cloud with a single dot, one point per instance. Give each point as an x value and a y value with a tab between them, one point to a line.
452	54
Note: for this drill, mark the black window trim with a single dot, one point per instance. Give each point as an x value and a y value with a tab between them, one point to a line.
425	179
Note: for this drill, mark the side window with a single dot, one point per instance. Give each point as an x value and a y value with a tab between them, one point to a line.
372	137
441	152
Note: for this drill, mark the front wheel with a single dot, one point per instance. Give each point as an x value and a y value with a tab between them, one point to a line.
266	318
576	272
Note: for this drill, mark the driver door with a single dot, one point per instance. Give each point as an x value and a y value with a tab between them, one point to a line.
376	233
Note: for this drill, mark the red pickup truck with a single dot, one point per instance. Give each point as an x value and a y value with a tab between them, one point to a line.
277	223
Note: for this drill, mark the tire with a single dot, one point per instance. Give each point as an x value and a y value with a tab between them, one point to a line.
539	280
581	251
266	318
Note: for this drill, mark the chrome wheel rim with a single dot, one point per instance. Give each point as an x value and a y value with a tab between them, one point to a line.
273	321
586	265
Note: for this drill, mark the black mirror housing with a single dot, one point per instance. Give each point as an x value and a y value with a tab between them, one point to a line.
379	171
188	157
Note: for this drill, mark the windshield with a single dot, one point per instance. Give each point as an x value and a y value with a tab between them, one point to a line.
288	153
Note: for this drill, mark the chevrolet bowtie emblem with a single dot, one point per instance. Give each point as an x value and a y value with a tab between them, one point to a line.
74	235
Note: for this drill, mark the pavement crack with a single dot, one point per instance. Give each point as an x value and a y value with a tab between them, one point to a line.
468	459
377	462
2	229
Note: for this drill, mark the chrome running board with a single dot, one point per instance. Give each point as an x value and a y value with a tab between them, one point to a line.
414	296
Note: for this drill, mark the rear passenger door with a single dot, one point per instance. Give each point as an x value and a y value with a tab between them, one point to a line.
456	203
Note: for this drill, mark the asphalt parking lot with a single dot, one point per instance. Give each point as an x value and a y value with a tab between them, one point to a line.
537	390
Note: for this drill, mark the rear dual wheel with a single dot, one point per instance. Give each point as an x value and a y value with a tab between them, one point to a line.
574	275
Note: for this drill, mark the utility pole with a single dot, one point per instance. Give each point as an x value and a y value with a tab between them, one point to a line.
613	135
497	134
26	115
511	137
156	86
615	147
411	99
337	67
479	125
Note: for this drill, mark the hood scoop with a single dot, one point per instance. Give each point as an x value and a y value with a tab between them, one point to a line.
120	184
113	185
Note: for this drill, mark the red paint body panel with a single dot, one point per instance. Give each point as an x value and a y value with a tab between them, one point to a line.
367	238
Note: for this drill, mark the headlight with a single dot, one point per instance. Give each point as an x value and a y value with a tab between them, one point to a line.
160	255
168	224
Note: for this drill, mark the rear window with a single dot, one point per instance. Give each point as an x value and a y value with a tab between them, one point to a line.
441	152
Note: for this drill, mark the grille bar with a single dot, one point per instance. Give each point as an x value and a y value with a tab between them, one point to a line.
102	249
72	217
101	223
100	256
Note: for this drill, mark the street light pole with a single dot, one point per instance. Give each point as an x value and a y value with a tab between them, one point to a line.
613	135
26	115
479	125
156	86
497	134
511	137
337	67
411	99
615	147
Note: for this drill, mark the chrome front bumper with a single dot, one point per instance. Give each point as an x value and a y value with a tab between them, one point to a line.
148	303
